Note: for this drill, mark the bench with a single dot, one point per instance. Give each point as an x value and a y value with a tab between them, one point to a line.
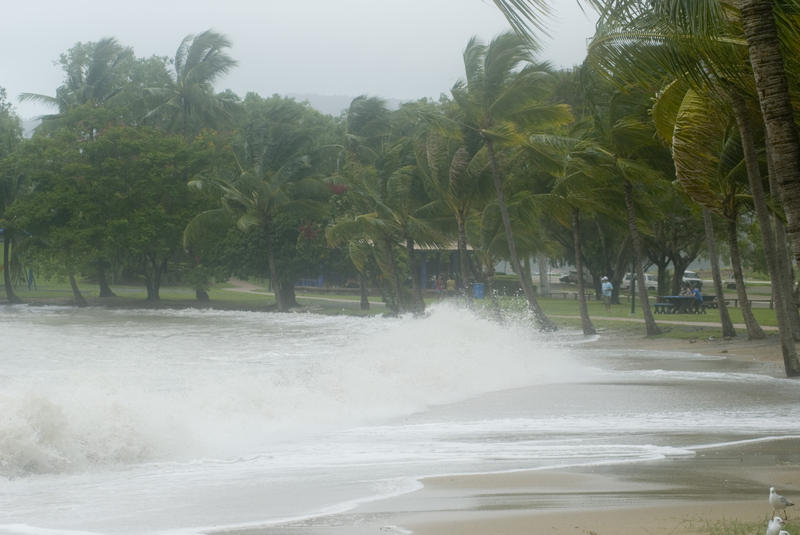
663	308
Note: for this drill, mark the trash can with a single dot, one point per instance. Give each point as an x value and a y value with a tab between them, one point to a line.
477	290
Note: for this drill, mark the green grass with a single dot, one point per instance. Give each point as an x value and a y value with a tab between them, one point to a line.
223	295
733	527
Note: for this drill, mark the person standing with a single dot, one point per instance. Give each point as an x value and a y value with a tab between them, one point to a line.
698	300
607	288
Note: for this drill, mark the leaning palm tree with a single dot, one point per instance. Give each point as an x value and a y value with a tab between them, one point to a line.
769	28
718	70
709	164
188	102
505	91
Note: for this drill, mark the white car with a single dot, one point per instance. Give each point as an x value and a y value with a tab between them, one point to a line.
650	280
691	279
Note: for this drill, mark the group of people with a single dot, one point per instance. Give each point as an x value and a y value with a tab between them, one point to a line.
687	291
607	288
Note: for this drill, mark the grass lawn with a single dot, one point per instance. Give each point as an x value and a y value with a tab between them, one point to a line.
563	311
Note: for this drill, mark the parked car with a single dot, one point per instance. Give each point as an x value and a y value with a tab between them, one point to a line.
730	283
650	280
572	278
691	279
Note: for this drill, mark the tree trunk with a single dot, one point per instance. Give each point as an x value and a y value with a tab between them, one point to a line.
202	295
784	258
544	275
788	349
362	286
289	296
618	271
150	277
783	142
10	295
728	330
586	321
395	277
462	260
274	279
102	281
754	330
418	304
539	316
649	321
77	296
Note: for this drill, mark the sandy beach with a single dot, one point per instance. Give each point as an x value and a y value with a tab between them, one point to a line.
711	492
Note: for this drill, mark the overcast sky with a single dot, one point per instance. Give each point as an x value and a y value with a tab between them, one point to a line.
403	49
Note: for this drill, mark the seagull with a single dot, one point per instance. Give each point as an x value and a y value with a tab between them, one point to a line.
778	502
774	526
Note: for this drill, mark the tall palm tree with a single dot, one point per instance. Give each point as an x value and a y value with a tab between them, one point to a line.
503	91
768	26
709	163
718	69
274	177
10	185
189	102
95	74
456	173
580	185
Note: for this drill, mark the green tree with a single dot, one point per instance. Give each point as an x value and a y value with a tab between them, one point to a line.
11	186
503	92
188	103
275	177
95	75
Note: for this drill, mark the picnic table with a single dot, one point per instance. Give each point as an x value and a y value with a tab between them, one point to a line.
680	304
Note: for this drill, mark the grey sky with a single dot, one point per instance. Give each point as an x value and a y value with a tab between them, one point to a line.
391	48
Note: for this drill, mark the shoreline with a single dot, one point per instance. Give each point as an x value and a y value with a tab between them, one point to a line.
719	487
727	483
722	487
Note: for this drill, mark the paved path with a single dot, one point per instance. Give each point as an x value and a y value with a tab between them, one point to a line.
665	322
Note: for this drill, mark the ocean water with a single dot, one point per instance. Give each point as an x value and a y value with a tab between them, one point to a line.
184	421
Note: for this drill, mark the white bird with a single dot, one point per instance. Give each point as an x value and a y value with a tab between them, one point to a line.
774	526
778	502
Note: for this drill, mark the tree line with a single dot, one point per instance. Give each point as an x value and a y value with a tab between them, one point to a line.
639	157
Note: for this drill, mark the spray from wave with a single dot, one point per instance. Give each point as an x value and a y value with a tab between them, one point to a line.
133	387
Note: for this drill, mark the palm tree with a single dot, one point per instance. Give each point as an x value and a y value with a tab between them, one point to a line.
579	186
95	74
717	69
503	90
189	103
10	186
274	177
768	26
709	164
456	172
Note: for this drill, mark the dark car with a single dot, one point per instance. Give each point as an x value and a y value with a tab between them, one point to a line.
572	278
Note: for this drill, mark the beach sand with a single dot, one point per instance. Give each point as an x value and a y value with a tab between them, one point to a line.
680	495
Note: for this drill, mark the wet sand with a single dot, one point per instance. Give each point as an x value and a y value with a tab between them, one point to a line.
682	495
673	496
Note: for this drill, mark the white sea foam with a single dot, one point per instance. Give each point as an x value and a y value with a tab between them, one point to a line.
111	420
98	388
